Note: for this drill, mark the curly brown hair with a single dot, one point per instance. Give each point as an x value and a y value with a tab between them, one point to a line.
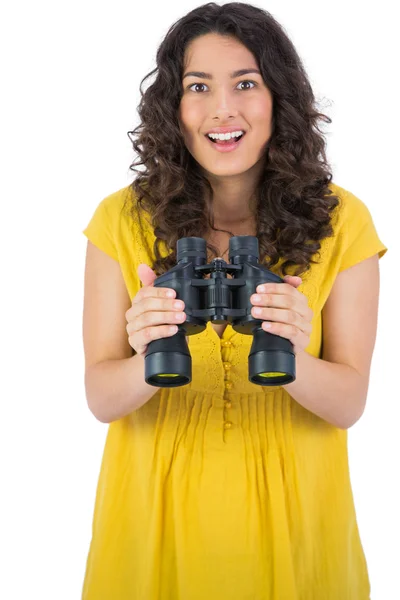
294	196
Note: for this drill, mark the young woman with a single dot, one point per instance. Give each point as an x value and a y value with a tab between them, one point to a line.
221	488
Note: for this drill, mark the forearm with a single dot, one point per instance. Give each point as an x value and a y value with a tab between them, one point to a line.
335	392
115	388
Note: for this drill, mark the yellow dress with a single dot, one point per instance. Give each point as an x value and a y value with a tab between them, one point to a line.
223	489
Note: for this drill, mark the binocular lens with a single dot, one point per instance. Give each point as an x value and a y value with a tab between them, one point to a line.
167	379
272	374
168	375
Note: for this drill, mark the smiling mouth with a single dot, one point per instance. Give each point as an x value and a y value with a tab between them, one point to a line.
230	141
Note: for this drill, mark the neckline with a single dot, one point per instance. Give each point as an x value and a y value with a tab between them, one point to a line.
227	334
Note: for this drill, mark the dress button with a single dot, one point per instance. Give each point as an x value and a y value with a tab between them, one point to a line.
228	404
227	366
228	385
225	344
227	425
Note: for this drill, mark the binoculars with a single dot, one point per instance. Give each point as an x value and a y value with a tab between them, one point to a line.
218	299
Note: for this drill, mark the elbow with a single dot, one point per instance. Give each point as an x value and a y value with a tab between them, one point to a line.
356	401
93	404
355	419
92	400
96	413
352	416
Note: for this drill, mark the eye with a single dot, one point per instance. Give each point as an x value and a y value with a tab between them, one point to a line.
240	82
247	81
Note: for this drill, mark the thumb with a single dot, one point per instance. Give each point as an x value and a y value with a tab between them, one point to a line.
293	280
146	274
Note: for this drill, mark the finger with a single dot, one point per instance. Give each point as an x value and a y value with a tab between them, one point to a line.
153	292
139	314
139	339
279	288
148	322
280	315
293	280
286	301
301	305
296	336
146	274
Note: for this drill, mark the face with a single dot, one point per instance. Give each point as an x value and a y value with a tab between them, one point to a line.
243	101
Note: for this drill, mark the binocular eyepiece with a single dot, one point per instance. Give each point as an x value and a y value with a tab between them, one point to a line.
218	299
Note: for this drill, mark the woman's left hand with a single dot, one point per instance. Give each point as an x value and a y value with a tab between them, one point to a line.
286	310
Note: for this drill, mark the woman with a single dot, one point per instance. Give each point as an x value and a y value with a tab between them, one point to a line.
222	488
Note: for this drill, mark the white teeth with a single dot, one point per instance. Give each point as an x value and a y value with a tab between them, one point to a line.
225	136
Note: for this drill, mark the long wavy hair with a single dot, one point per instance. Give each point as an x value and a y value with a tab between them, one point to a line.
294	199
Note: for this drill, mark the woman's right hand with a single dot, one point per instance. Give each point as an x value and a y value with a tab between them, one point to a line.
152	312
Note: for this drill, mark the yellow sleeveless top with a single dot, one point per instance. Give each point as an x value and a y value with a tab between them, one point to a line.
224	489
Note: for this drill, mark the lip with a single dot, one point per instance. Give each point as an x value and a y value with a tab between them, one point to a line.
225	147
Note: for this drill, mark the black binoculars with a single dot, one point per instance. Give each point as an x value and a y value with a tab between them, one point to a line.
218	299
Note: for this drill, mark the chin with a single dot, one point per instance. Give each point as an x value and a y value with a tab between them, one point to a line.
227	170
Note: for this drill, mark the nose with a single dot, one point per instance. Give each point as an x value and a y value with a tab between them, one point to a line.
224	105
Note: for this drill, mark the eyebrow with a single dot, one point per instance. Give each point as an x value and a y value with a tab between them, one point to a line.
203	75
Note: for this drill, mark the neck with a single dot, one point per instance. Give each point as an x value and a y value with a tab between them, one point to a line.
234	198
233	209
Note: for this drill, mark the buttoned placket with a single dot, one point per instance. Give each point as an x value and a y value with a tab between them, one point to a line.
227	424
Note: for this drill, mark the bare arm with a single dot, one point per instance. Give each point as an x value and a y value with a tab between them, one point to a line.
335	392
115	388
335	387
114	379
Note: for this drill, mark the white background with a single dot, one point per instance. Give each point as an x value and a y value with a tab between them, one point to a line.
70	77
